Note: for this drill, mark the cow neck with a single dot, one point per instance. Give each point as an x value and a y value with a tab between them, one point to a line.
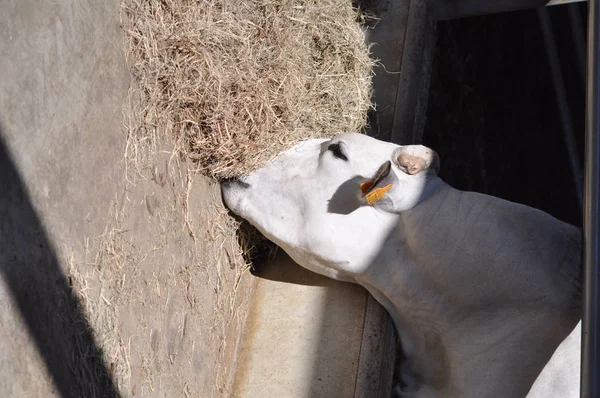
472	282
512	254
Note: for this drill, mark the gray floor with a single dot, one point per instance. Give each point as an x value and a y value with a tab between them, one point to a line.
62	85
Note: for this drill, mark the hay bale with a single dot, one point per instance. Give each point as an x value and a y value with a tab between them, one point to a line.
235	82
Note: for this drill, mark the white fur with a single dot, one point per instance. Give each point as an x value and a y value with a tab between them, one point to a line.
482	291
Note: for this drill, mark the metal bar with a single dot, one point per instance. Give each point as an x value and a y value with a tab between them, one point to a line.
560	94
453	9
559	2
590	348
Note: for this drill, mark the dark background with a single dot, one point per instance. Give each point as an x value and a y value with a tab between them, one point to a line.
492	111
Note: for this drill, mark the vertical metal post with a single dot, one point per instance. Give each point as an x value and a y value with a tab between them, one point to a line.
590	349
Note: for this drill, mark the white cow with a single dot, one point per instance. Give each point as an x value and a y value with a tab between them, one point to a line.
482	291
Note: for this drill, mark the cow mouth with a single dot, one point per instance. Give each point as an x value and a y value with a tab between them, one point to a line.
234	183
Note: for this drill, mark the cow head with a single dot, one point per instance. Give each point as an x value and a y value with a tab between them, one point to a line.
331	203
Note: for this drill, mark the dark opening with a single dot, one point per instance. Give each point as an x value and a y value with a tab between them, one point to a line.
492	112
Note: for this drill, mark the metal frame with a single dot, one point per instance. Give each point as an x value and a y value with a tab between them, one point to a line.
590	348
453	9
560	2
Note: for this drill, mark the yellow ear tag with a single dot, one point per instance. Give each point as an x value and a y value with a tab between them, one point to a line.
377	194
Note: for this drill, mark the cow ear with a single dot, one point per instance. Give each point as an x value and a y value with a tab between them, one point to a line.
415	159
375	189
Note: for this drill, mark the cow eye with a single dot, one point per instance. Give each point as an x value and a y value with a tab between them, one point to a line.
336	149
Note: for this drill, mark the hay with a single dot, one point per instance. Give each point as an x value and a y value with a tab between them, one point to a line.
234	82
100	282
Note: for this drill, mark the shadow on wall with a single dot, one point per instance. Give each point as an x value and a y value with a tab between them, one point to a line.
42	293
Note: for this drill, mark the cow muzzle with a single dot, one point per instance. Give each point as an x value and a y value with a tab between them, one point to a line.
232	193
